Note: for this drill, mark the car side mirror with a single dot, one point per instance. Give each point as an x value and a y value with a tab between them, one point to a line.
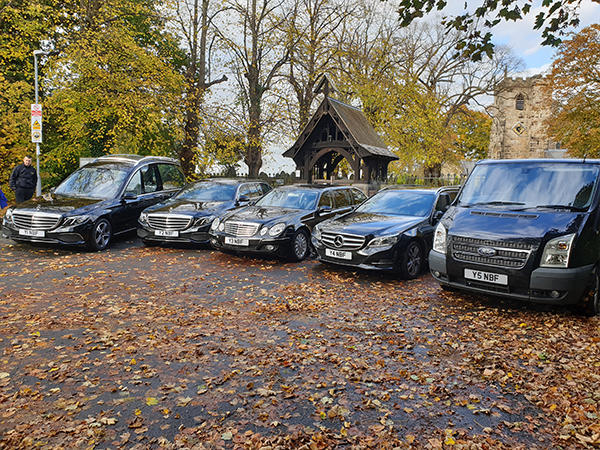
52	190
437	216
129	196
323	210
243	199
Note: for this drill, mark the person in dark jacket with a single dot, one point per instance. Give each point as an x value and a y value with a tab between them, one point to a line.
23	180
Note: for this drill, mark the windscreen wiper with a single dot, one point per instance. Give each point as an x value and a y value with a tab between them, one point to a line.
569	207
496	203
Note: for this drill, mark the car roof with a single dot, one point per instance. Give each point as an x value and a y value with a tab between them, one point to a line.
135	159
317	187
422	189
230	180
540	161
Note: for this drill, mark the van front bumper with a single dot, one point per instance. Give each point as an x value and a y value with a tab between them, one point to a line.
546	285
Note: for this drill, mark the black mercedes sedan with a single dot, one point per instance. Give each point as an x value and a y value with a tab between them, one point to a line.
97	201
280	223
187	216
393	230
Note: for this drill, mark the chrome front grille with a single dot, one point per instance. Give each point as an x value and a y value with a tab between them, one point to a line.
241	229
342	241
169	222
35	220
513	255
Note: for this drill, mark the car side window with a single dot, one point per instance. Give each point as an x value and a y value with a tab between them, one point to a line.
135	184
255	191
149	179
171	176
453	195
245	190
326	200
265	188
341	198
358	196
443	202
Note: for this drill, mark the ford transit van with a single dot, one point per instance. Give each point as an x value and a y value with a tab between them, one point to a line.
526	230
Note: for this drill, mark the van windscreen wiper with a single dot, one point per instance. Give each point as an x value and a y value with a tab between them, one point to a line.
496	203
569	207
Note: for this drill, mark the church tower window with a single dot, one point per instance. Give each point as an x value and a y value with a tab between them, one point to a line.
520	102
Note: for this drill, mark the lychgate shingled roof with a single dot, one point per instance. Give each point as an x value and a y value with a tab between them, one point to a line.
338	131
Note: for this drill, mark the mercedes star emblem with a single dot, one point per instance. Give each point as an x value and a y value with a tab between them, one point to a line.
338	241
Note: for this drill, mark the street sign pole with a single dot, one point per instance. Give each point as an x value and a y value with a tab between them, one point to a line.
36	121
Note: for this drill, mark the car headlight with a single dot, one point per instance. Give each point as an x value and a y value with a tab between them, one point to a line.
277	229
439	239
75	220
200	221
317	233
557	252
9	215
215	224
384	241
143	218
264	231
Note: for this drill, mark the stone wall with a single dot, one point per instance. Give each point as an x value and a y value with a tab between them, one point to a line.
518	129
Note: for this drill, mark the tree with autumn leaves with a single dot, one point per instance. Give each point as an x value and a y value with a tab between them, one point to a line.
107	85
110	79
21	21
417	93
128	76
572	94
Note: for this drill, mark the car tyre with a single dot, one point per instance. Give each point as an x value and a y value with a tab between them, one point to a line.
101	235
411	262
300	246
589	304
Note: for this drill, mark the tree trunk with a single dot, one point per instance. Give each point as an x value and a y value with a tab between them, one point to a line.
190	143
196	85
433	171
253	158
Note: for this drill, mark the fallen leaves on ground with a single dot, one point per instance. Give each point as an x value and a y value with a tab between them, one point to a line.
186	348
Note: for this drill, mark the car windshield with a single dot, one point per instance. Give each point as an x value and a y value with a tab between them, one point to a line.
95	181
531	185
207	191
392	202
290	198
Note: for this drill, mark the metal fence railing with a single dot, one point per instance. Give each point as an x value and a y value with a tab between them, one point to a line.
402	179
414	180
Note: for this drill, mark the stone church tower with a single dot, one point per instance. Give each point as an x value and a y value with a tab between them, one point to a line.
518	129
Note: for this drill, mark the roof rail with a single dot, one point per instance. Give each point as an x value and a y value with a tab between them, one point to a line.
135	158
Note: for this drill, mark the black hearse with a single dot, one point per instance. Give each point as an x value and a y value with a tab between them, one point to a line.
96	202
524	229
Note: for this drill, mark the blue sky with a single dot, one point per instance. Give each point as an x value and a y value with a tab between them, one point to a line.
526	42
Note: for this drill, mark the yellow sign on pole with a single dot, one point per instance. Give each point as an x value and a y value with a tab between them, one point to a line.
36	122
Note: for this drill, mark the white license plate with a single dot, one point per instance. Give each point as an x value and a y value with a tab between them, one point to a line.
166	233
34	233
338	254
486	277
237	241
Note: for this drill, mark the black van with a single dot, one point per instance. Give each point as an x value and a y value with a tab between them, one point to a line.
524	229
